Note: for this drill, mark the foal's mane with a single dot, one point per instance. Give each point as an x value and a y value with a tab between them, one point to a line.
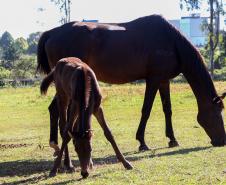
88	88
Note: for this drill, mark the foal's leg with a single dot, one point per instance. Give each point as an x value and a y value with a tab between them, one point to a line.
67	161
57	161
164	91
150	92
62	103
54	118
100	118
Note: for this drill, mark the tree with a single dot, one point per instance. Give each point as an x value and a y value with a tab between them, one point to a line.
21	46
215	9
4	73
8	48
221	58
1	53
65	8
32	41
25	67
33	37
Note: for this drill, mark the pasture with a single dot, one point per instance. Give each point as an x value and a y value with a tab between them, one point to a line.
25	157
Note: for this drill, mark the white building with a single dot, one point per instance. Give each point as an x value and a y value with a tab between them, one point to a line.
191	27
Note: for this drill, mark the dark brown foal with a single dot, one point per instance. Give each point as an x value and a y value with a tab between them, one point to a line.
76	85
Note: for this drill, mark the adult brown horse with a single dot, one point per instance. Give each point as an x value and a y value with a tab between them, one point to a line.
147	48
83	93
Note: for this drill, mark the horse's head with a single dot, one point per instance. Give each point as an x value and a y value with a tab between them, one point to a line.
211	119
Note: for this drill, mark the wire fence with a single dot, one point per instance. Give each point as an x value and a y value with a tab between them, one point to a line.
19	82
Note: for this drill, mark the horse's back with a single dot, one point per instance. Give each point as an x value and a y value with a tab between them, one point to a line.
118	53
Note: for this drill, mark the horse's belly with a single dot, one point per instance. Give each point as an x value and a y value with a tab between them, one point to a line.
117	75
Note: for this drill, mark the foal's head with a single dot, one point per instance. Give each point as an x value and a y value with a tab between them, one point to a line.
87	101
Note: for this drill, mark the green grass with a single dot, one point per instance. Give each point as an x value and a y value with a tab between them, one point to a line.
25	157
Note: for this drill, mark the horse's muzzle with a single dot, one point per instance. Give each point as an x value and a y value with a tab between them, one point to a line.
217	143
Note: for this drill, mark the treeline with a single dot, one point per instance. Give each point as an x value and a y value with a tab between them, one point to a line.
18	56
219	57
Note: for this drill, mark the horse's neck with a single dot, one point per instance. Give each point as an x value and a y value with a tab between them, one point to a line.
199	79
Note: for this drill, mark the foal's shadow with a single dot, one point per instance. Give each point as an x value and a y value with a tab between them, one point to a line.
31	167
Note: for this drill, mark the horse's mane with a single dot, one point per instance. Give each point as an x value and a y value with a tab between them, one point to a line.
191	62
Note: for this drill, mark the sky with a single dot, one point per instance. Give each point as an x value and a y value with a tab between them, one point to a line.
21	17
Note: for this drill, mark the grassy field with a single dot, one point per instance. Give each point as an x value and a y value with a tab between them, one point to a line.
25	157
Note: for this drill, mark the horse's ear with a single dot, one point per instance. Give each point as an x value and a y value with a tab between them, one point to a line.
223	95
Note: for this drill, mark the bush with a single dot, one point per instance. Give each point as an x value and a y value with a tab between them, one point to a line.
4	73
220	74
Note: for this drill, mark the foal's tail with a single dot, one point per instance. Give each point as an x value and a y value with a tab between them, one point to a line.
46	82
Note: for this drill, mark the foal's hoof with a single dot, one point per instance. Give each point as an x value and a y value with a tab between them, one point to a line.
173	144
70	169
56	153
143	148
91	164
52	173
127	165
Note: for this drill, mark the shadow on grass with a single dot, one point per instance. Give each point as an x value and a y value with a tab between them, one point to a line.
31	167
148	154
24	168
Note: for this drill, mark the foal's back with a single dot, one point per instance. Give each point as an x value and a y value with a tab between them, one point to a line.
66	75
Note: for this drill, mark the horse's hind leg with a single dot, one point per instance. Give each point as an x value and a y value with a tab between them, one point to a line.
152	86
164	91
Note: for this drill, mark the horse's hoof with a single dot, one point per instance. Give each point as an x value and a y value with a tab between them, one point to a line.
128	166
143	148
84	174
52	173
173	144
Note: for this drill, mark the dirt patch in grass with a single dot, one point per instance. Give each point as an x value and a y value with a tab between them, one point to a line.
10	146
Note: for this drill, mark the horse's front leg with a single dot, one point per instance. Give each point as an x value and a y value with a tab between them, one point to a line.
100	118
150	92
164	91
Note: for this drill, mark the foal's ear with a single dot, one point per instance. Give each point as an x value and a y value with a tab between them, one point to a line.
223	95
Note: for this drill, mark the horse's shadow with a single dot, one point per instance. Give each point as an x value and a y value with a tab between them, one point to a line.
30	167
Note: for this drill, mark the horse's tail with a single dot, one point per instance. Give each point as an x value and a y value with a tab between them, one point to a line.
46	82
43	65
